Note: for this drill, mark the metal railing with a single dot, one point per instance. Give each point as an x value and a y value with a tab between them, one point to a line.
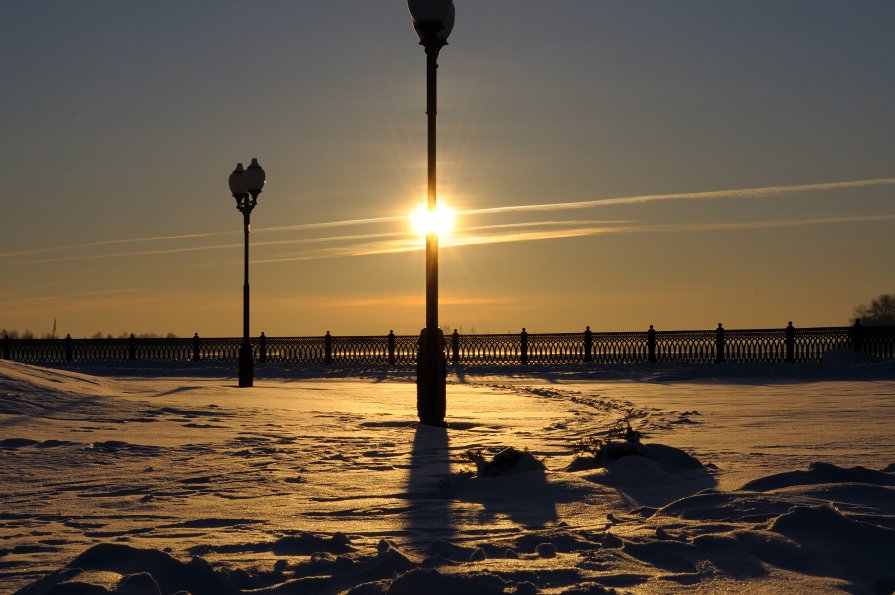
781	345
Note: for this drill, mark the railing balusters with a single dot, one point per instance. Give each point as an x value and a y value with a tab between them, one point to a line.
790	345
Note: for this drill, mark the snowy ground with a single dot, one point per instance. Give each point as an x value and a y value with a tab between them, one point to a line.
322	482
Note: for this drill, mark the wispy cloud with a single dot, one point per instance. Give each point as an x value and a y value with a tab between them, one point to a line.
192	236
741	193
400	242
401	237
161	251
551	234
105	296
199	236
762	192
462	239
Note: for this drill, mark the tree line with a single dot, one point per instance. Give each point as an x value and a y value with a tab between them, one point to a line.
27	334
878	312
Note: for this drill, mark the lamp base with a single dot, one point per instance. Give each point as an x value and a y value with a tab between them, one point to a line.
431	371
246	365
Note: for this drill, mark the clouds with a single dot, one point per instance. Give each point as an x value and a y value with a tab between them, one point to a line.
741	193
402	239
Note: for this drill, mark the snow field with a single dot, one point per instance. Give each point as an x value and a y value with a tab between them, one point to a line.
327	485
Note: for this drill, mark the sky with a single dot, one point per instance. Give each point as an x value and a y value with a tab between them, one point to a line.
612	165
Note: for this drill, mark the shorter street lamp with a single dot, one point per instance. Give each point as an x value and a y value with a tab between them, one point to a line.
245	186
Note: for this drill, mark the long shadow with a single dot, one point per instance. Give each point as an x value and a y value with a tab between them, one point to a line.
653	489
428	515
527	499
179	389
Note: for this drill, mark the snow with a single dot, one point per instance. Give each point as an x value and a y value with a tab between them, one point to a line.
158	478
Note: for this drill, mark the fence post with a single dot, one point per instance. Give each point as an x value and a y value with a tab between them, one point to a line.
196	347
523	339
857	336
719	344
132	347
588	344
6	349
262	348
651	344
455	347
790	343
328	349
68	354
391	348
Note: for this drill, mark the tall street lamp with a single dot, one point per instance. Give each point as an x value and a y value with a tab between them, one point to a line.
245	185
433	21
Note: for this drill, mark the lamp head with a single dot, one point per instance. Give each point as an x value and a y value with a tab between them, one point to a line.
237	181
433	21
430	10
255	178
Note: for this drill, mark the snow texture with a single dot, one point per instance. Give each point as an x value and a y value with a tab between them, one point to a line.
163	479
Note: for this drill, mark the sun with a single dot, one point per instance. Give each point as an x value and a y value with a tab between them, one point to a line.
440	220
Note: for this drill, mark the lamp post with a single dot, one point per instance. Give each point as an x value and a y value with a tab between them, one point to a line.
433	21
245	185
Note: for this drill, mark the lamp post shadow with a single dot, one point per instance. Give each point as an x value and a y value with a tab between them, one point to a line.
428	515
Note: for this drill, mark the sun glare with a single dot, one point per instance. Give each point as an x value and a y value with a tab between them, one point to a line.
440	221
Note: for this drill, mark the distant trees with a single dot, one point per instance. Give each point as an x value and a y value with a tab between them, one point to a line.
880	311
27	334
15	334
149	336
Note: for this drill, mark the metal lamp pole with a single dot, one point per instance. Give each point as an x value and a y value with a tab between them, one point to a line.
245	185
433	21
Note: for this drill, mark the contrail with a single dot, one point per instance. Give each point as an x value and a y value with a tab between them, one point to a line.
208	247
326	239
562	223
325	224
412	245
190	236
193	236
652	228
714	194
409	242
758	192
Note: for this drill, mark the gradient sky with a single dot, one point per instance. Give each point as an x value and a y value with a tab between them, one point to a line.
752	145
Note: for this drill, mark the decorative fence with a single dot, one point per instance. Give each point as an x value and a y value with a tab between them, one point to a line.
788	344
